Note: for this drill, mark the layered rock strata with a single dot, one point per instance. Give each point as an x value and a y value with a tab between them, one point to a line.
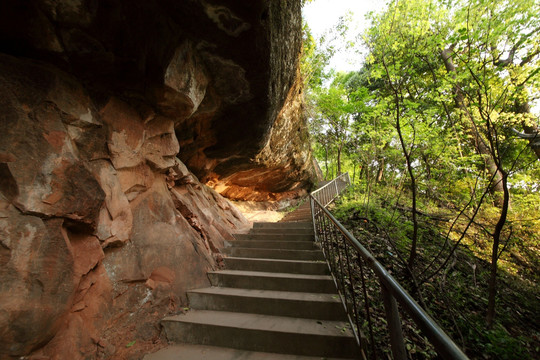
221	70
115	117
98	218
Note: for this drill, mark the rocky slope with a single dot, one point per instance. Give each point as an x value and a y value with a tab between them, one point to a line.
121	123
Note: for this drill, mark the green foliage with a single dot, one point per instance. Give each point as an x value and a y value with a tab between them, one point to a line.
457	295
499	344
456	77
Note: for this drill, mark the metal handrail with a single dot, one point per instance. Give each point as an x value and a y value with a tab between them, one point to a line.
330	191
327	230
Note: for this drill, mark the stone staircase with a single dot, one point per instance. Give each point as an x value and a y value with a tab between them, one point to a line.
274	300
301	214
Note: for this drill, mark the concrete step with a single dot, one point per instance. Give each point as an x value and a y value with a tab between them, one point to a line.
277	265
301	211
275	237
274	254
268	302
265	333
293	219
304	231
272	281
205	352
265	244
302	216
281	225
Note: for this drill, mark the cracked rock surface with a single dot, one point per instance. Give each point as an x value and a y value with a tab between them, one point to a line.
124	128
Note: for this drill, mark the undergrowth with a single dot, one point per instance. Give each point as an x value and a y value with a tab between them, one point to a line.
452	284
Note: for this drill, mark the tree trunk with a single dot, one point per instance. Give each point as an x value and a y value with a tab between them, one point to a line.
340	147
492	285
499	186
380	172
398	96
326	161
480	145
412	253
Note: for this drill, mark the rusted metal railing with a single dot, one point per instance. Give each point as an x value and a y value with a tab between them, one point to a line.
368	292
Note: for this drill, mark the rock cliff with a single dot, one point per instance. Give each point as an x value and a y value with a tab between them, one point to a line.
122	124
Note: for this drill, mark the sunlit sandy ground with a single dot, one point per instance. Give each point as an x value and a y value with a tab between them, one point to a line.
262	212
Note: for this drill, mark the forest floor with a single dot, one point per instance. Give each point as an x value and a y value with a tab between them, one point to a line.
453	284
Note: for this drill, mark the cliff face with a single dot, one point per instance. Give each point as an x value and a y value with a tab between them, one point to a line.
221	71
115	116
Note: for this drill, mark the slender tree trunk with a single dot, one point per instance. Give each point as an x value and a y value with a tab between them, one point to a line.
339	149
492	285
397	98
499	187
412	253
380	172
481	147
326	161
428	166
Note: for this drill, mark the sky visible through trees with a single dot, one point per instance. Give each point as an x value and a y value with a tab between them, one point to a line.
322	15
438	106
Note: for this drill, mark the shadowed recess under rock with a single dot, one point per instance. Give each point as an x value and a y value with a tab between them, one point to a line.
121	123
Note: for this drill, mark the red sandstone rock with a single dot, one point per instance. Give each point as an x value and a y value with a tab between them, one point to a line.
185	84
94	203
160	144
125	134
115	218
38	280
83	326
135	180
48	175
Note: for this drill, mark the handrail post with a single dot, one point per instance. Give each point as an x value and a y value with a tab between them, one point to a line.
391	290
312	206
397	343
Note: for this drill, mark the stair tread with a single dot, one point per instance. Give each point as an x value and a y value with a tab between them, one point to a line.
206	352
305	251
276	265
275	237
265	315
274	244
268	253
278	260
271	222
284	225
271	274
265	323
271	241
269	294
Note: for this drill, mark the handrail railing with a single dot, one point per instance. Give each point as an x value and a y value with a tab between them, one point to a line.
330	191
350	264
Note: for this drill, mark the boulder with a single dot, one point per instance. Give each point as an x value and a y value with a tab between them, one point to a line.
160	144
161	237
38	279
115	218
48	177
